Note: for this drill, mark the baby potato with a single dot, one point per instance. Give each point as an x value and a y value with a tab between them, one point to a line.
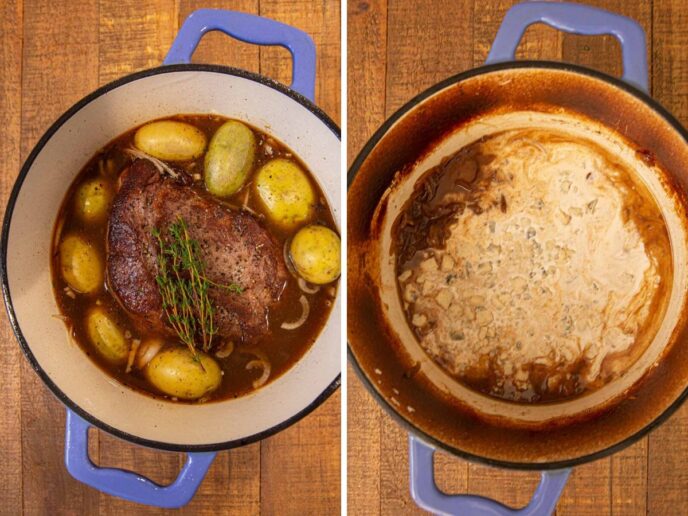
92	200
106	336
285	192
80	264
174	372
315	252
170	140
229	159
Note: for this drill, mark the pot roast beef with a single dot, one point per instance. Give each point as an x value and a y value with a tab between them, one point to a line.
233	245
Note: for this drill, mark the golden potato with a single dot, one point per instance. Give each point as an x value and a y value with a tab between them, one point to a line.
170	140
229	159
80	264
92	200
106	336
174	372
285	191
316	254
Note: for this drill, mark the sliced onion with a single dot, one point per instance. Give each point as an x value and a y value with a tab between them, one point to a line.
147	352
266	371
132	354
162	167
303	285
225	350
535	144
287	259
306	308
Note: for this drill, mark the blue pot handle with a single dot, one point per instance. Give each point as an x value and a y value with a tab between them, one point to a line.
126	484
249	29
576	19
426	494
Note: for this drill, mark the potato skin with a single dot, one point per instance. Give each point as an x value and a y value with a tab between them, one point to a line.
316	253
106	336
285	192
174	372
80	264
170	140
92	200
229	159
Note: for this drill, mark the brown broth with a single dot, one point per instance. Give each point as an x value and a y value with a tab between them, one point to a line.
281	347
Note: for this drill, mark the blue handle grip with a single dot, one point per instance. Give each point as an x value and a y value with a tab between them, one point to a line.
576	19
249	29
426	494
126	484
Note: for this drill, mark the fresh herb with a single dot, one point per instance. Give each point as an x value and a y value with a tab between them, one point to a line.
184	287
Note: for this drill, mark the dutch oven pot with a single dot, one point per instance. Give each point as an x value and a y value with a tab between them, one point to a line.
437	410
92	397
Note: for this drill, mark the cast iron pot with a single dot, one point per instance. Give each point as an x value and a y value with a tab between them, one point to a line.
93	398
437	410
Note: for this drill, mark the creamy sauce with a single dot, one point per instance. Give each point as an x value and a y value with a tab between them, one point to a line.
533	266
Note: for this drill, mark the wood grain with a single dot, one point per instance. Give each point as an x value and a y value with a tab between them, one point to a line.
11	31
367	34
54	53
668	446
53	35
416	47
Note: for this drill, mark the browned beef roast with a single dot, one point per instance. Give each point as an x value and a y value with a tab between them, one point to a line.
234	247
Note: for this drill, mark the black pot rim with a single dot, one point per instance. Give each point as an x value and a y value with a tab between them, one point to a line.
355	167
57	392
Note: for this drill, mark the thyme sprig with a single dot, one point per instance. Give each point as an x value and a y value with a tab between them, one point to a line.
184	287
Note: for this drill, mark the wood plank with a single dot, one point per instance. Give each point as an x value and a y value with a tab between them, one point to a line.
11	28
629	480
366	79
300	466
425	46
668	445
134	35
60	65
232	485
307	454
363	449
321	19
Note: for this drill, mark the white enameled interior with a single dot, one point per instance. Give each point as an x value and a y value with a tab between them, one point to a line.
561	123
28	256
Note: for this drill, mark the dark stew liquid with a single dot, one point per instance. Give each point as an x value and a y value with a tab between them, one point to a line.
281	348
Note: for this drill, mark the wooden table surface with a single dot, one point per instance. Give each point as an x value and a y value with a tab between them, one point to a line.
397	48
53	53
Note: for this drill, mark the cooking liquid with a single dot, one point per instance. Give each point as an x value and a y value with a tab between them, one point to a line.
282	348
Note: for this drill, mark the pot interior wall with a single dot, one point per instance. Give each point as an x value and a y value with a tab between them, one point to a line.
65	152
385	360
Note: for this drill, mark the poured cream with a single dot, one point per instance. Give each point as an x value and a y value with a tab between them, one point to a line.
557	288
